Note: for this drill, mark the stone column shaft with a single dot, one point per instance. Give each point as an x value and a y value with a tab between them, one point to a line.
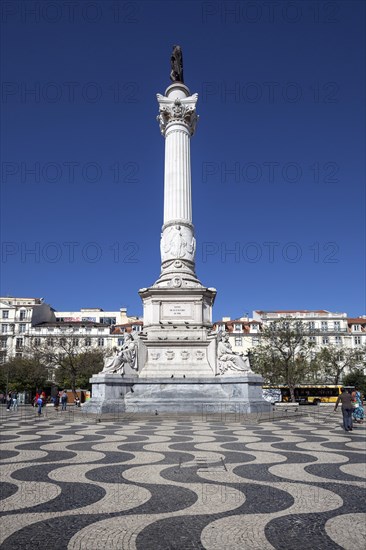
177	174
177	119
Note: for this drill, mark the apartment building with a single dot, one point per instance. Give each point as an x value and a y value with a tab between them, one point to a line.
17	318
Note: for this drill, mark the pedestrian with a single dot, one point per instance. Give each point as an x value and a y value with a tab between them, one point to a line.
346	399
15	401
40	405
358	412
35	400
64	401
56	402
9	401
44	398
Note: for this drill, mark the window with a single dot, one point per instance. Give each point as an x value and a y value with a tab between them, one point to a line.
120	341
254	326
18	354
100	342
238	340
22	327
88	330
337	326
324	326
4	328
312	339
3	343
50	342
62	341
108	320
88	342
5	314
50	329
325	340
357	340
237	328
311	325
22	314
19	343
256	340
37	342
338	340
75	342
356	328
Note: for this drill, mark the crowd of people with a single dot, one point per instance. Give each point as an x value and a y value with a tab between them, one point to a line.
40	400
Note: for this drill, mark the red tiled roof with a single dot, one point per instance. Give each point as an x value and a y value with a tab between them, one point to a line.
293	311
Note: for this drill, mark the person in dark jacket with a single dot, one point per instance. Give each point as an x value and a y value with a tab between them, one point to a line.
346	399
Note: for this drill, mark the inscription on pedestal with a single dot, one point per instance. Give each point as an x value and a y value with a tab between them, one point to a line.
176	310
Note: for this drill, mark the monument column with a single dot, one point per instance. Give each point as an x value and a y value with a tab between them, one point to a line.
178	363
177	119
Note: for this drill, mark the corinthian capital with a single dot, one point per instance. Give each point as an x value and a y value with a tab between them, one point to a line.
178	110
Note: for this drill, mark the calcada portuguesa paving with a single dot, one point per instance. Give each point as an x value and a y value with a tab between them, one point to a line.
175	482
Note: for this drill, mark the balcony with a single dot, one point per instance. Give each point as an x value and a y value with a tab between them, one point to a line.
328	330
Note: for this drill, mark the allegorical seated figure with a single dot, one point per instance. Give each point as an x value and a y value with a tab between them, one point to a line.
125	356
229	360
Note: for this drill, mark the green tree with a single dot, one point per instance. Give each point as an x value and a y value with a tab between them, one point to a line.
73	361
285	354
74	371
23	374
356	378
333	362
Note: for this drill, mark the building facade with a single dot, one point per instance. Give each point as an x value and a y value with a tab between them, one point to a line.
25	322
29	322
326	328
18	316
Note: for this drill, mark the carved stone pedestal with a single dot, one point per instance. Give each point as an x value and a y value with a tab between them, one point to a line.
177	341
226	395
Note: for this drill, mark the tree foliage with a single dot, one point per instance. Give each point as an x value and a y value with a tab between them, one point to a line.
333	362
72	362
23	374
356	378
75	371
285	354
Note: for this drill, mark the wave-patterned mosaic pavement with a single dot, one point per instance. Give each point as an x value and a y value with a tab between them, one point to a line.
168	483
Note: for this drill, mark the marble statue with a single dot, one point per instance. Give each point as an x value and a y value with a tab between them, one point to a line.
126	356
176	61
177	242
229	360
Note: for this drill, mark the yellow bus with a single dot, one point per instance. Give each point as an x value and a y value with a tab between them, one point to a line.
305	394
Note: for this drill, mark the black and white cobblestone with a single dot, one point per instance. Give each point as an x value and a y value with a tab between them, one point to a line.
165	483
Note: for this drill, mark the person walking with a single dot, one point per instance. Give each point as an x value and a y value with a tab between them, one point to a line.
64	401
56	402
358	412
14	405
346	400
9	400
39	404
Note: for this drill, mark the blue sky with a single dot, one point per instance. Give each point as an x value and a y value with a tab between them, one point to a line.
278	165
